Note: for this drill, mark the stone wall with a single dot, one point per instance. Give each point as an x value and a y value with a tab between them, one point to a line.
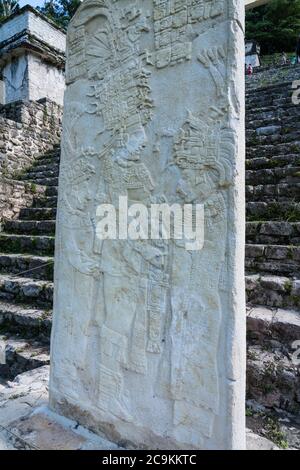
27	130
271	75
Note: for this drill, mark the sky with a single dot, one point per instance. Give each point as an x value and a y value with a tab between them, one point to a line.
33	3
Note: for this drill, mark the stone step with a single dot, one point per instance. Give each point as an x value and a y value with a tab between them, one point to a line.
281	84
31	321
288	175
273	211
273	133
47	202
51	191
272	375
273	233
28	291
280	139
46	162
54	153
34	174
271	100
273	192
273	379
277	161
273	291
42	181
264	325
270	93
31	227
274	259
269	151
34	244
272	104
38	213
22	355
36	267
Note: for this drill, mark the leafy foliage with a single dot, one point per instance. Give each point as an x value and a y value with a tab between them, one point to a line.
275	26
60	11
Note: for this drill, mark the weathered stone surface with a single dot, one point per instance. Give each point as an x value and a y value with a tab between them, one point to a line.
22	356
23	409
27	129
148	342
272	377
18	397
273	291
272	75
256	442
36	71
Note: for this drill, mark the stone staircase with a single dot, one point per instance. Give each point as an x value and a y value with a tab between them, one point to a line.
272	246
26	272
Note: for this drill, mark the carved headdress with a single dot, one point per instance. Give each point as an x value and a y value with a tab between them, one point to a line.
204	144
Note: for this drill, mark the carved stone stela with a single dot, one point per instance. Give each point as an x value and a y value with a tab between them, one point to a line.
149	337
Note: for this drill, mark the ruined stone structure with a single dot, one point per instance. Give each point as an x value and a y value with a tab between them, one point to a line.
29	153
32	57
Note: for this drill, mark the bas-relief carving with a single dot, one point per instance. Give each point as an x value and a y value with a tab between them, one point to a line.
173	27
146	307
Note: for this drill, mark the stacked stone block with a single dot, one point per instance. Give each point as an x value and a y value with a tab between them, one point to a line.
272	244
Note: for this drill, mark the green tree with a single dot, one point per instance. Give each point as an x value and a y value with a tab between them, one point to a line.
276	26
60	11
7	7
